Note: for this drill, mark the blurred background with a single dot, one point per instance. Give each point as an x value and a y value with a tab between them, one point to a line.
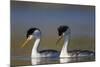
47	17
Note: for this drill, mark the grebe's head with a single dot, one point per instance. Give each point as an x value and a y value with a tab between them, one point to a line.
63	30
32	32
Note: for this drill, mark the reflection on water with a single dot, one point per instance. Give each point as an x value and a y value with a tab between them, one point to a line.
41	61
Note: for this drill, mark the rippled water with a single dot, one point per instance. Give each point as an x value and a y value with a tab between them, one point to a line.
25	61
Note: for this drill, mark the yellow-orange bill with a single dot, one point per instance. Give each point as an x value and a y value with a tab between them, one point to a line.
58	40
24	43
28	39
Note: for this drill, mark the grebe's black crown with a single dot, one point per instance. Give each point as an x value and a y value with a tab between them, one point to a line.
31	31
62	29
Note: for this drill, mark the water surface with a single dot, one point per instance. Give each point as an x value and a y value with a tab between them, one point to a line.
24	61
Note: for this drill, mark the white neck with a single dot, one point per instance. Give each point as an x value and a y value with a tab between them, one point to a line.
64	51
35	48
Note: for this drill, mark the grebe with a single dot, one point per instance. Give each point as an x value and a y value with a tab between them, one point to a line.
36	33
64	31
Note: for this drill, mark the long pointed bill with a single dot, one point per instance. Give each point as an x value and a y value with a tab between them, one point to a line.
26	41
58	40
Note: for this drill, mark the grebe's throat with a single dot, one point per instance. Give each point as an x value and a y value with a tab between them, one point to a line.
36	45
64	51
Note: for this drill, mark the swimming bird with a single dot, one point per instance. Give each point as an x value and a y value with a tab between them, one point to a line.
36	33
65	32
